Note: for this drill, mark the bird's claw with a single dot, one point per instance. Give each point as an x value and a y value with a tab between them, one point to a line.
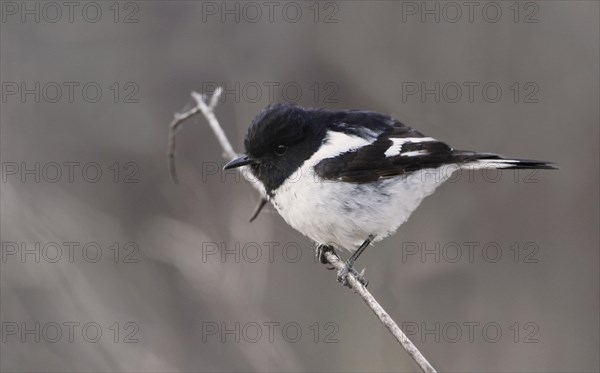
342	275
320	255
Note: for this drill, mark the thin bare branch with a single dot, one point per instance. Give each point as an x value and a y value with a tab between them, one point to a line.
209	114
178	119
228	152
383	316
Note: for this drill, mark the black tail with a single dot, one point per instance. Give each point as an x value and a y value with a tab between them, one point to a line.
491	160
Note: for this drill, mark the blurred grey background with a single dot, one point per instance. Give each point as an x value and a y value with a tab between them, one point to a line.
494	272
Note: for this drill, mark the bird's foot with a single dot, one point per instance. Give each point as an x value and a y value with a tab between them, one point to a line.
342	275
320	255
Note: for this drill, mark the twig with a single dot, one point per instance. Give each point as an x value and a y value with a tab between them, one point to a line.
228	152
383	316
178	119
333	259
208	112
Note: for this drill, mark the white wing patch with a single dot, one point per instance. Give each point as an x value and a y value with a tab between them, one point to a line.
396	147
336	143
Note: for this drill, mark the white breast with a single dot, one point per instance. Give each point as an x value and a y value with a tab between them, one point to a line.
344	214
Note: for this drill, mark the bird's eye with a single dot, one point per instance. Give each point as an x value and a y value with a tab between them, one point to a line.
280	150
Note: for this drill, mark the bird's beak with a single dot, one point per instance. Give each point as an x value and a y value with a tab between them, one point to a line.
240	161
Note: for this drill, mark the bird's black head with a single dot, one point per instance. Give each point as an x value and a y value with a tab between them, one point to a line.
279	140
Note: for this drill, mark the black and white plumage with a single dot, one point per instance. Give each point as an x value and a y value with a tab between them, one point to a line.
341	176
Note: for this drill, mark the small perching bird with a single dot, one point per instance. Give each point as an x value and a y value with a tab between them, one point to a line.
346	179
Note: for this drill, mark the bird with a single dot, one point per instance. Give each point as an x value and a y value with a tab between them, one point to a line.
348	179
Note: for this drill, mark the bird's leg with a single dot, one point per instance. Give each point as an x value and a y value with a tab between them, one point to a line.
320	254
349	266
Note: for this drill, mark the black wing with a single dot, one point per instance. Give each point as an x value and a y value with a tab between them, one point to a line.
395	150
